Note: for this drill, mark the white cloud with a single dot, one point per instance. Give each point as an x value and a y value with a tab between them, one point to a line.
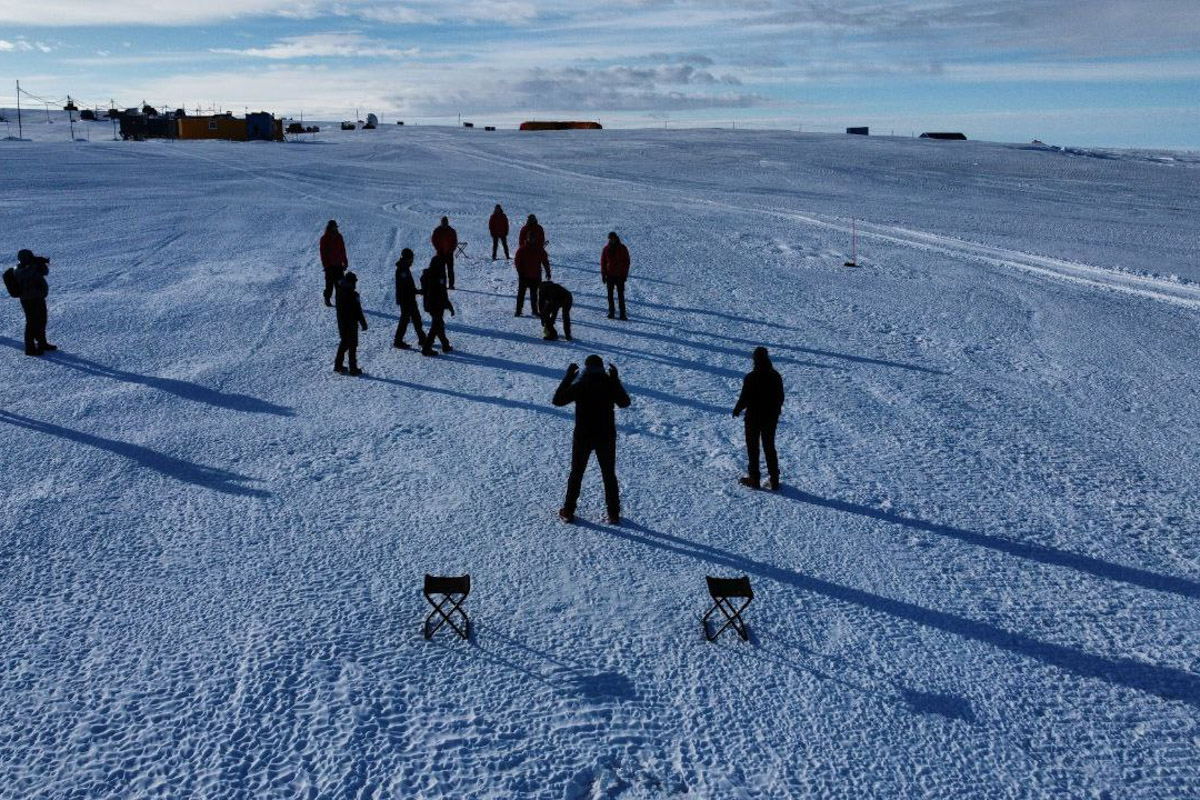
135	12
6	47
323	45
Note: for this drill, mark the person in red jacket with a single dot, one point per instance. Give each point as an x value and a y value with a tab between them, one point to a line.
445	241
529	263
531	233
498	227
614	269
333	258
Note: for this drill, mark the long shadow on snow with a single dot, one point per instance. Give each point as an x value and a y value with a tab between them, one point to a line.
555	374
1166	682
502	402
1033	552
180	388
750	344
219	480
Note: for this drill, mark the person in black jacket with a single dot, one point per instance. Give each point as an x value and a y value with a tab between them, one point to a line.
551	298
406	298
762	400
349	318
595	396
31	275
437	302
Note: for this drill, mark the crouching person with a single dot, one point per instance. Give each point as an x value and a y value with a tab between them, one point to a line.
552	298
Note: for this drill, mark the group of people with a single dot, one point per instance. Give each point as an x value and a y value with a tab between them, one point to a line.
596	392
547	299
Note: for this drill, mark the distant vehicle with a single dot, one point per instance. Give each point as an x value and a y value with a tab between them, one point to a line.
372	122
349	126
87	115
858	131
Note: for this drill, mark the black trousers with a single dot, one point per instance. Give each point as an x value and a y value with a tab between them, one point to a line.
449	262
347	344
437	329
761	430
606	456
497	240
410	314
619	285
532	285
551	314
35	324
332	276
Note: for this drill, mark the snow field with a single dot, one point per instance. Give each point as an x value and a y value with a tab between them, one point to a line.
980	579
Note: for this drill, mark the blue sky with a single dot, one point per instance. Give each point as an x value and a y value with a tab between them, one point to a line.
1102	72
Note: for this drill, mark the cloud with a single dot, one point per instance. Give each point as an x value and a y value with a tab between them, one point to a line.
6	46
323	45
138	12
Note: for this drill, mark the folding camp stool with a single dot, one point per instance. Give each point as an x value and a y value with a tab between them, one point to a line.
724	592
446	595
461	250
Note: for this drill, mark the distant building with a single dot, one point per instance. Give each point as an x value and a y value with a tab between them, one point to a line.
858	131
952	137
560	126
259	127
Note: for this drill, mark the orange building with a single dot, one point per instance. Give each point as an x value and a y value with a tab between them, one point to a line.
255	127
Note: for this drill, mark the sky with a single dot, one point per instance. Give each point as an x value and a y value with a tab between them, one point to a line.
1118	73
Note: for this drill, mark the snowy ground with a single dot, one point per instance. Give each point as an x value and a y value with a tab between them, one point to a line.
982	578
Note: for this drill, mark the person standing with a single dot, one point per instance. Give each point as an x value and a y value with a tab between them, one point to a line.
445	242
349	319
406	298
498	227
437	302
529	263
30	276
614	269
762	400
596	395
531	233
553	298
333	258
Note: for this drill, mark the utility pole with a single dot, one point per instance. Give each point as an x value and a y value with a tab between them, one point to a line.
20	134
71	116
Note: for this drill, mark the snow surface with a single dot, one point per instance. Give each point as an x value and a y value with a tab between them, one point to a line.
981	579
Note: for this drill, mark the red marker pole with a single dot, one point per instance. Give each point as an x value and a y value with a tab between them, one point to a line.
853	262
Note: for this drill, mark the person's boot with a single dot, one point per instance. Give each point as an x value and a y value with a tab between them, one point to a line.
517	313
775	483
400	344
338	368
48	348
613	519
446	348
32	351
749	482
428	351
611	315
566	516
355	371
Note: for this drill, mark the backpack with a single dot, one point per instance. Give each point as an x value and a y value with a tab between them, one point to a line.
11	283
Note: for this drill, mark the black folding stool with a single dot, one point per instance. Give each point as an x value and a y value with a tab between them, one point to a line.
442	592
722	590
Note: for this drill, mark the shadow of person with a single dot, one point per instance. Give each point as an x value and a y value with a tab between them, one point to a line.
1032	552
187	390
219	480
1170	683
